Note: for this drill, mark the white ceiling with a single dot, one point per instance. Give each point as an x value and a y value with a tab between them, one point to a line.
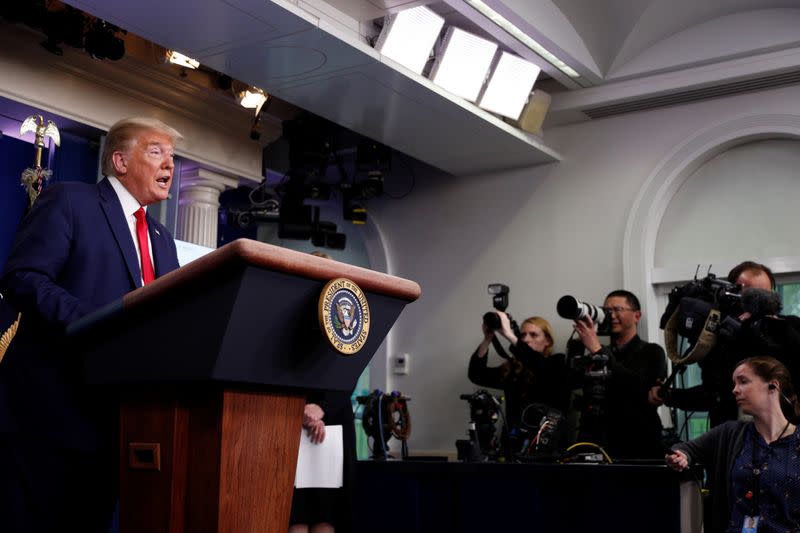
315	55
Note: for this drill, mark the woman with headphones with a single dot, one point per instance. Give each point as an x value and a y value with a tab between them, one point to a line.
756	464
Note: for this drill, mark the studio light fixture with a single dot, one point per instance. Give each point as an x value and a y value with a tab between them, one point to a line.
462	63
176	58
101	41
252	98
509	86
408	37
510	28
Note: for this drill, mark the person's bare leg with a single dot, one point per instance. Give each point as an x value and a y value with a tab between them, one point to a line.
298	528
322	527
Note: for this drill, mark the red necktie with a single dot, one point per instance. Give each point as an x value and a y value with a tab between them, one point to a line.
141	234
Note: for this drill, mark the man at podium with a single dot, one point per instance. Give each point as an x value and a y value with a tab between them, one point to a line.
80	247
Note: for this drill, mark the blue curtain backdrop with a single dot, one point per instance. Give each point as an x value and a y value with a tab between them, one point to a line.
15	156
75	160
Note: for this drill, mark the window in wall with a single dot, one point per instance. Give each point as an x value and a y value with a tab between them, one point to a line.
790	296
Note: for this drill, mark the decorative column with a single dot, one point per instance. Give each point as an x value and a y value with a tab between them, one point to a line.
198	205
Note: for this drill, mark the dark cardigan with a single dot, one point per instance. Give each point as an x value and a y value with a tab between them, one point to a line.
717	450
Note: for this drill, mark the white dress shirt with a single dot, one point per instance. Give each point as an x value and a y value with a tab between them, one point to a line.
129	206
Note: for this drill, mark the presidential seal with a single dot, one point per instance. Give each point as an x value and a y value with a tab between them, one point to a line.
344	315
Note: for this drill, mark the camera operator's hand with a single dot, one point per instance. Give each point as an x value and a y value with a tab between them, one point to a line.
505	328
586	331
677	460
654	396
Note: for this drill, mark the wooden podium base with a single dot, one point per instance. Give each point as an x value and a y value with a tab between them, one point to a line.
211	461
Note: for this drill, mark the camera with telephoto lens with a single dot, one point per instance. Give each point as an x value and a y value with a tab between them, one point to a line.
592	367
573	309
491	320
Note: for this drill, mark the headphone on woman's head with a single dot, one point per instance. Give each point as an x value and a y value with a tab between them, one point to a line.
772	386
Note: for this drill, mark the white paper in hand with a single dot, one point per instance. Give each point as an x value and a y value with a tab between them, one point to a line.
320	465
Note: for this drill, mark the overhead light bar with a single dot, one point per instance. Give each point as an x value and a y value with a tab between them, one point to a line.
408	37
509	86
522	37
176	58
462	63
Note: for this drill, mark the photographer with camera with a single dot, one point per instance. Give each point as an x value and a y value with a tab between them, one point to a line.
627	424
532	374
751	327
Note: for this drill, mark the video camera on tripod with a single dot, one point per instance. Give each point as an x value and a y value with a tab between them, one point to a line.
385	416
484	411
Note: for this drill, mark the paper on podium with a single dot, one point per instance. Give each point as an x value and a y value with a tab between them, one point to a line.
320	465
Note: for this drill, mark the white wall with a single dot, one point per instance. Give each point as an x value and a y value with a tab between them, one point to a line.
713	214
547	231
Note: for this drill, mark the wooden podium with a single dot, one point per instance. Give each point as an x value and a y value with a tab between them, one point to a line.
213	363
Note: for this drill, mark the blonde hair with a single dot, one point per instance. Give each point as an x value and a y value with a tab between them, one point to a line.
544	325
123	134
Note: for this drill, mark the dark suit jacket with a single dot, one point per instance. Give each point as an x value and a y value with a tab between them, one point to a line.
72	254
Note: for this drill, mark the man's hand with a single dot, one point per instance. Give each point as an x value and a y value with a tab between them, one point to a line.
585	330
312	422
677	460
311	413
316	431
654	395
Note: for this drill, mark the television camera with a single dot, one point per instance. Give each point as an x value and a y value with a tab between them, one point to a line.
705	311
708	312
385	416
484	411
537	437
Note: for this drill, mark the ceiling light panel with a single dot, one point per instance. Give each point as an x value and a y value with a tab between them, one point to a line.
462	63
408	37
509	86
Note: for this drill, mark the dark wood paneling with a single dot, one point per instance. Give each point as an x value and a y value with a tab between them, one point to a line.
227	461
